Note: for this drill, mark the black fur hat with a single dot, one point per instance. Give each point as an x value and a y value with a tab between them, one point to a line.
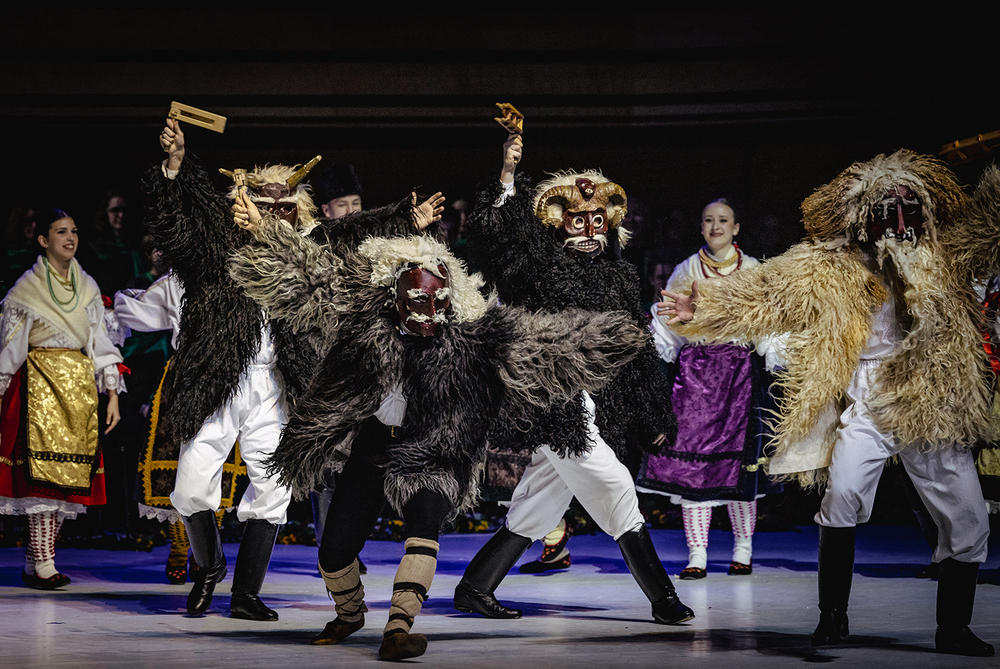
335	181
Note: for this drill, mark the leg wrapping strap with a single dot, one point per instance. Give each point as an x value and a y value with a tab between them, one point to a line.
347	592
411	584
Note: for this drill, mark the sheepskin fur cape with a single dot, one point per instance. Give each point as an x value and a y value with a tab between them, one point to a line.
526	263
825	290
220	326
486	359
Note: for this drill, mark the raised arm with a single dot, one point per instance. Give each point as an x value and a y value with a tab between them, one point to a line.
188	217
397	220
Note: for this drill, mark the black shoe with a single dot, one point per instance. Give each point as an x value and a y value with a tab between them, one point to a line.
552	558
399	645
670	610
249	607
336	631
692	573
470	600
53	582
835	572
832	628
541	566
206	547
740	569
251	567
474	593
177	570
961	641
956	596
200	597
648	572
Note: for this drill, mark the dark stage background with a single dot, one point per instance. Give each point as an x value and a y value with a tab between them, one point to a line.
679	106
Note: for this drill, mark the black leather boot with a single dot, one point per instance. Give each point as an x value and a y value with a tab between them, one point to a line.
836	571
251	567
956	594
474	593
647	570
206	545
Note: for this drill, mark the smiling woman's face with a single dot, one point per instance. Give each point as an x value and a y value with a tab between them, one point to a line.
61	241
718	227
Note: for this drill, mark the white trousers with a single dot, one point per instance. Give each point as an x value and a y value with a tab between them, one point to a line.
945	479
255	416
601	483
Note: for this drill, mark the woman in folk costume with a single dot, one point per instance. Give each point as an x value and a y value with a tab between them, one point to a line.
718	393
419	367
55	345
884	358
155	309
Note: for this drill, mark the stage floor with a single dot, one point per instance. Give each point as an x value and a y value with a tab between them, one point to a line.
120	612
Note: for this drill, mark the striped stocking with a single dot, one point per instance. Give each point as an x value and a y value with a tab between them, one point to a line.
697	520
743	517
42	531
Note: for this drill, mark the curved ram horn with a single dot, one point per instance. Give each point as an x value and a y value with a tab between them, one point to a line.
610	192
570	194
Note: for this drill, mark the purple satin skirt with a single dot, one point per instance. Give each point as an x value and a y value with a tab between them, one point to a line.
718	428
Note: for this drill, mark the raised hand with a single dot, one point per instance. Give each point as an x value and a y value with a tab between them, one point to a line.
172	142
512	149
428	211
245	213
679	307
511	119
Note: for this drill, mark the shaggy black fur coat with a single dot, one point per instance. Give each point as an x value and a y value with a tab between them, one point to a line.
220	326
495	360
526	263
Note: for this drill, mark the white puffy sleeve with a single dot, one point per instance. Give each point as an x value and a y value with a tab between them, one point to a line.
106	355
15	324
157	308
772	349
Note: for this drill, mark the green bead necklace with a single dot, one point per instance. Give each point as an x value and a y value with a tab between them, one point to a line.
70	284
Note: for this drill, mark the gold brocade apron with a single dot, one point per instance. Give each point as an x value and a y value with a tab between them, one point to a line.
62	417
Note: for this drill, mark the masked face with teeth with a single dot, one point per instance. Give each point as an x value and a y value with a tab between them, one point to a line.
585	232
583	209
898	215
422	300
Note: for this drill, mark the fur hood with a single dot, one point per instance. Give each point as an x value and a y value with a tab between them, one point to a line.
839	211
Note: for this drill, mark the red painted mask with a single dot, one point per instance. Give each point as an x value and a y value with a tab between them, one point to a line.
898	215
422	300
